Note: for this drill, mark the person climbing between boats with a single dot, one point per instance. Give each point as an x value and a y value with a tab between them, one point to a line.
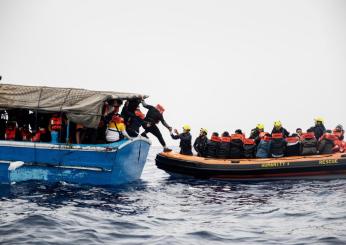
185	140
133	116
153	117
279	129
201	141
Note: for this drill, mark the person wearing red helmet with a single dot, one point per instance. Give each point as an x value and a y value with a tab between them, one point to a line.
153	117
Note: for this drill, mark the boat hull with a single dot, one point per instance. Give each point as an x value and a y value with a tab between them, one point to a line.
314	167
112	164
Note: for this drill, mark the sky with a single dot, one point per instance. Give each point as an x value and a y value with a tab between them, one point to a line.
221	65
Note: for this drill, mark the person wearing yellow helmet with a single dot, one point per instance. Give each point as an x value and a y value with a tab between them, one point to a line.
185	140
201	141
256	132
319	128
279	129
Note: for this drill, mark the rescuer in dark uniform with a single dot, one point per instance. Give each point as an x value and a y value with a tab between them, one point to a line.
185	140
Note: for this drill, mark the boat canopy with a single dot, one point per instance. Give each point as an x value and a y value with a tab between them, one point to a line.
80	105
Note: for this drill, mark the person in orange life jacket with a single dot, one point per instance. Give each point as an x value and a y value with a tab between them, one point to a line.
279	129
133	117
57	124
41	135
116	129
256	133
277	146
249	148
201	141
339	132
237	144
326	143
11	132
153	117
308	143
25	133
185	140
264	147
213	145
293	145
225	145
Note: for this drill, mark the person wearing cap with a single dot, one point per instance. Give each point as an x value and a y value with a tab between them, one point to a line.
153	117
279	129
319	128
185	140
201	141
256	133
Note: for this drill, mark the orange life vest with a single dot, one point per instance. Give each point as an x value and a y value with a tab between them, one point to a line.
25	135
310	135
237	137
267	138
215	139
262	134
55	123
10	134
249	142
338	134
37	136
292	140
277	136
139	114
226	139
328	136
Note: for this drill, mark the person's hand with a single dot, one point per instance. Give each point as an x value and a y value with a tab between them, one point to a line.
148	125
176	131
170	129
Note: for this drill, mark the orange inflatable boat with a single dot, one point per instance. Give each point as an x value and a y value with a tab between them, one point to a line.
297	167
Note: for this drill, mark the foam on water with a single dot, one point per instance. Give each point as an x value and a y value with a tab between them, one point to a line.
160	209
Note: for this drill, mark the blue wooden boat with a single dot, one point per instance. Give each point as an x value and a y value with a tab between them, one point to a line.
99	164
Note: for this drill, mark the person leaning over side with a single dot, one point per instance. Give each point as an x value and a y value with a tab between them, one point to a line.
185	140
153	117
201	141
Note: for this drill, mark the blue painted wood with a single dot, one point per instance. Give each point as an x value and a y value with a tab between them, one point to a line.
109	164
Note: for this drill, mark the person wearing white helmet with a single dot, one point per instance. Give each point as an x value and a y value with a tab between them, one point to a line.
185	140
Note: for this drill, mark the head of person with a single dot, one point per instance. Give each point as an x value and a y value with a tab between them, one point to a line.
294	135
186	128
238	131
203	132
215	134
319	121
225	134
260	127
299	131
339	128
277	124
160	108
310	130
328	131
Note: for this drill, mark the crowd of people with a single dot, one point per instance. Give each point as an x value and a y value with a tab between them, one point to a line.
261	144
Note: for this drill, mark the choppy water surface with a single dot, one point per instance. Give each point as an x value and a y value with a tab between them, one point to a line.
160	209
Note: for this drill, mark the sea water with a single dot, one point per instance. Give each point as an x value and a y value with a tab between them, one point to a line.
160	209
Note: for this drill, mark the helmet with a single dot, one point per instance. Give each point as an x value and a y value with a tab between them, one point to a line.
160	108
277	124
187	127
260	126
319	119
340	127
204	130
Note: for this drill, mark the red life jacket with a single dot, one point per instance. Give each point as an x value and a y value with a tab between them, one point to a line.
25	135
139	114
55	123
310	135
328	136
267	138
215	139
277	136
262	134
249	142
37	136
10	134
292	140
338	134
226	139
237	137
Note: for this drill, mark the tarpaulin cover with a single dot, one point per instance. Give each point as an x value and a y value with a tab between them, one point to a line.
80	105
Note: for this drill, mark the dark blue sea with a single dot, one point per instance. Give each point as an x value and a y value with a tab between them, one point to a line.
160	209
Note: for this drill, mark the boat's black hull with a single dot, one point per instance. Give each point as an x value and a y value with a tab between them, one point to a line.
324	167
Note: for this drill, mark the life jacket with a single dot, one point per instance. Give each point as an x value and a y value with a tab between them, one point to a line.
38	137
56	123
293	146
237	137
249	148
213	146
262	134
267	138
327	143
310	135
10	134
25	135
139	114
224	147
237	146
277	136
215	139
277	145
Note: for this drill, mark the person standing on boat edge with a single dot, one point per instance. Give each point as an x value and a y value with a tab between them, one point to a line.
201	142
319	127
153	117
185	140
279	129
